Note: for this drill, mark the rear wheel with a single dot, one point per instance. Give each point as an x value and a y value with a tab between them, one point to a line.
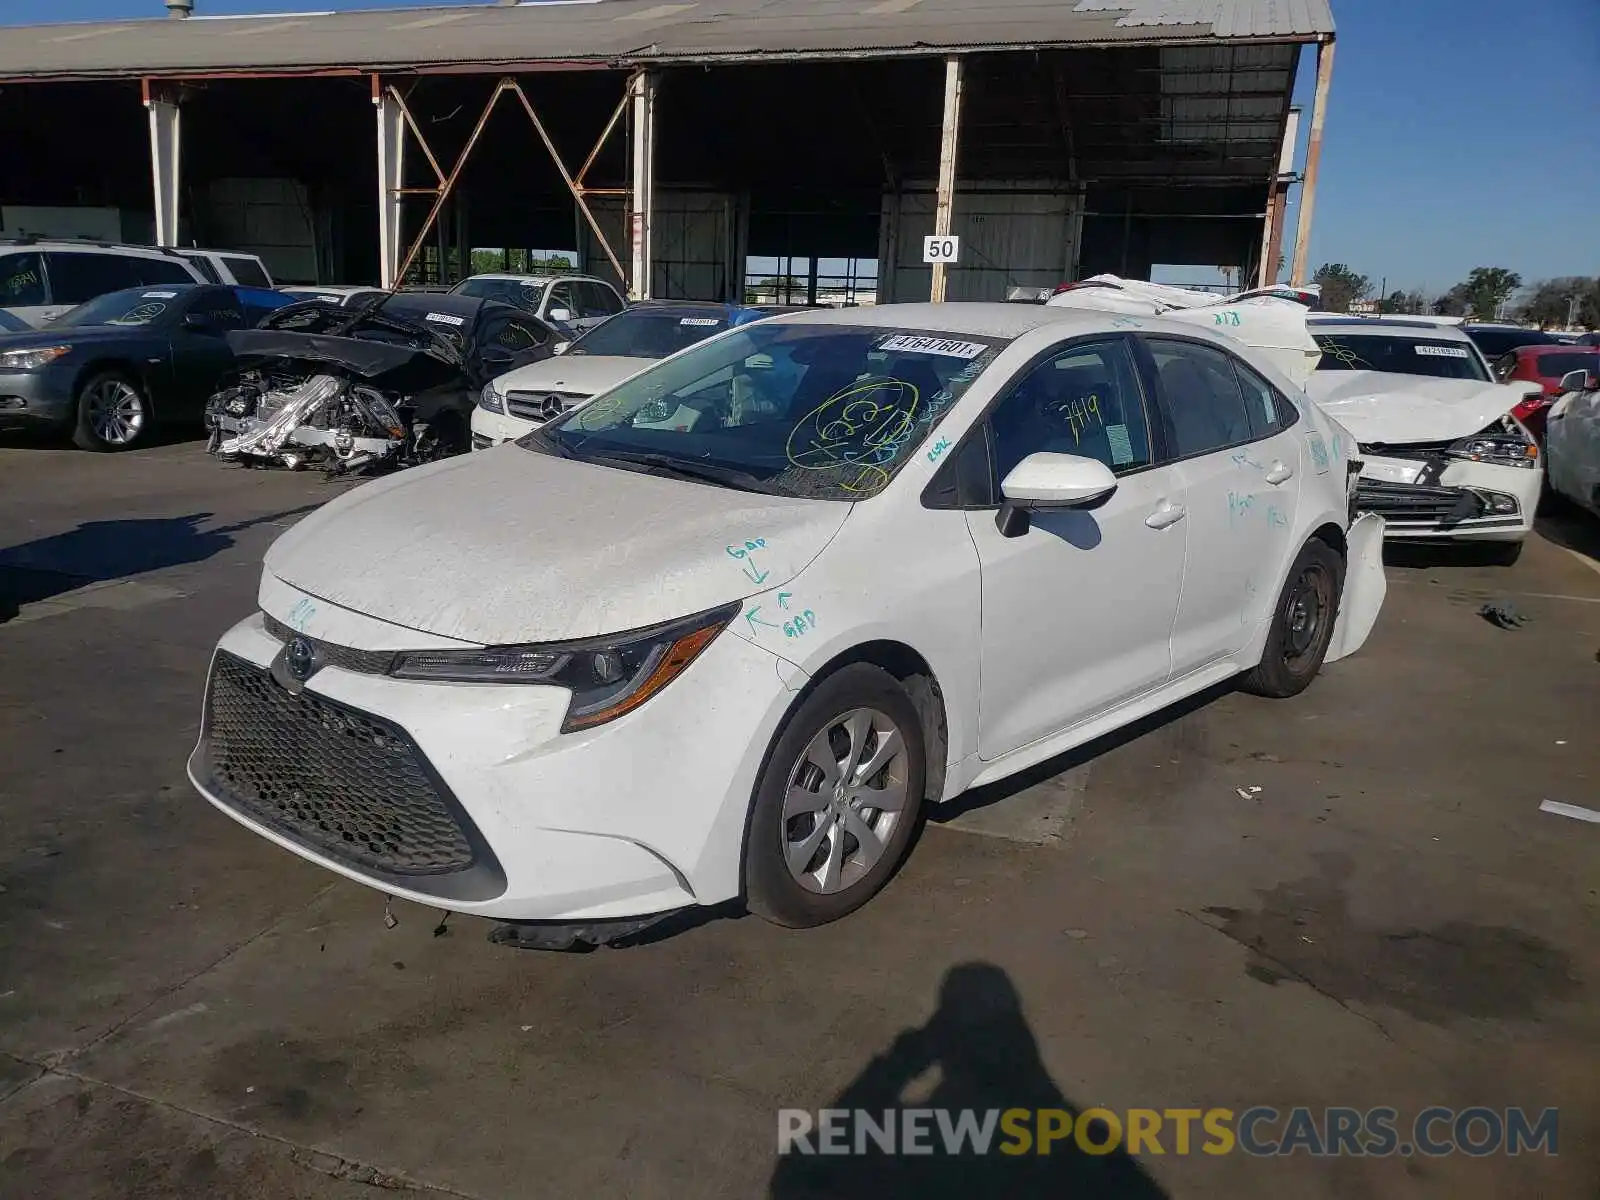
1302	624
113	413
836	806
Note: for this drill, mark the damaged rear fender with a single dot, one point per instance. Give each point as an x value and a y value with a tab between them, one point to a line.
1365	586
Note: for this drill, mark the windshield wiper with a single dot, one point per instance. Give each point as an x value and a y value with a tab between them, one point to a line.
665	464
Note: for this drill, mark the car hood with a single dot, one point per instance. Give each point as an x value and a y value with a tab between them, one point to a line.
511	545
78	335
1384	408
577	374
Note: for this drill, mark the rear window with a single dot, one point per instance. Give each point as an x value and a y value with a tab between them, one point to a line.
524	293
646	333
247	271
1495	342
1554	366
76	277
1435	358
161	270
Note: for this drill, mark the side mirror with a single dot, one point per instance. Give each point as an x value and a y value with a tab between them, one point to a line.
560	347
198	321
561	314
1580	381
1051	481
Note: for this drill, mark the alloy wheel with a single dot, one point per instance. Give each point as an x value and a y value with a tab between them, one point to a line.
116	412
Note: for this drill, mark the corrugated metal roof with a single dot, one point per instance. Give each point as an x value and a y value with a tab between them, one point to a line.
1227	18
632	31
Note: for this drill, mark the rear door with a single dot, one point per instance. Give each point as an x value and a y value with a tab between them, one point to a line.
1228	431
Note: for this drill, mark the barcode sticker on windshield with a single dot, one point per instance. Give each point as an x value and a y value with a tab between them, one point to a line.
932	345
699	321
446	319
159	296
1121	447
1441	351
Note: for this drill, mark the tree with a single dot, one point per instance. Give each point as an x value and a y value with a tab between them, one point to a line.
1550	302
1340	285
1453	303
1399	301
1489	288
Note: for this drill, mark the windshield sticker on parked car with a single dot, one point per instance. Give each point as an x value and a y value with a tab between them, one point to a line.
445	319
700	321
159	296
1441	351
906	343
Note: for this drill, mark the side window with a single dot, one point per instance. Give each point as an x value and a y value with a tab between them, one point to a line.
1504	365
155	270
1083	400
561	297
75	278
508	334
606	302
1270	412
1205	407
21	280
222	309
247	271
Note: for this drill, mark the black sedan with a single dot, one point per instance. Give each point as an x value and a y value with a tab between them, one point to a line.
108	371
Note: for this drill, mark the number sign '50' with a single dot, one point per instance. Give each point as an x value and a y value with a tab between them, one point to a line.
936	249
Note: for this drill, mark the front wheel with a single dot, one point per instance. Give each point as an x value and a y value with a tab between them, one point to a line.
1302	624
837	803
113	413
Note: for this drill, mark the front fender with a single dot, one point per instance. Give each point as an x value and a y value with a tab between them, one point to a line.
1365	586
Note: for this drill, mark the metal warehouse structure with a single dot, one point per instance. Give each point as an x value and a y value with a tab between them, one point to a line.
669	142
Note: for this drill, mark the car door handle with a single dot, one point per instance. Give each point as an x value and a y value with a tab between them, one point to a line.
1279	472
1167	514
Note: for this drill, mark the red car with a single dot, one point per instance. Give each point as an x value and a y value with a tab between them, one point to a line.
1544	365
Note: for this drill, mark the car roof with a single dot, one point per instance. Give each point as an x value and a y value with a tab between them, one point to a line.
1394	326
527	277
979	319
55	245
449	303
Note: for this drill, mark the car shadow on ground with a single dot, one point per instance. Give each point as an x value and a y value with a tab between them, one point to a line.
1571	530
1423	555
986	1061
99	551
45	439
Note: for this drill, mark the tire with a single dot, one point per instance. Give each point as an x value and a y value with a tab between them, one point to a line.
1302	624
113	413
852	714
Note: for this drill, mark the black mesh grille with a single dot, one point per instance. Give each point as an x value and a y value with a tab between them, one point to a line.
341	781
367	662
1412	502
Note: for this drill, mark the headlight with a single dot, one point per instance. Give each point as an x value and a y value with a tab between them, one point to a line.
607	676
1506	443
490	400
29	360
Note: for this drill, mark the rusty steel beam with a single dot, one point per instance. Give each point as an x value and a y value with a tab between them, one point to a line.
605	135
1308	194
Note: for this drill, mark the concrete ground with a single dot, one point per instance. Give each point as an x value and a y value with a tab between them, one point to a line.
1351	898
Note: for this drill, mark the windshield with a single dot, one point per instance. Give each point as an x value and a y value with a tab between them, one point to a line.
1554	366
1438	359
829	412
1495	342
524	293
640	333
133	307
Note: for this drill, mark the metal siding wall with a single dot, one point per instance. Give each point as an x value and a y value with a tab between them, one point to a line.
691	235
1008	239
269	217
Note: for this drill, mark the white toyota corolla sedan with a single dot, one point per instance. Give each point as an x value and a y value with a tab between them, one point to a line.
725	631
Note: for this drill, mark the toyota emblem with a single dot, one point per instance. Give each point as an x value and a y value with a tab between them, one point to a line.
299	659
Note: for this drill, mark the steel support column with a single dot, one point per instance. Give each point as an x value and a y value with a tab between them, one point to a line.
641	213
166	152
949	144
1308	194
1277	203
391	179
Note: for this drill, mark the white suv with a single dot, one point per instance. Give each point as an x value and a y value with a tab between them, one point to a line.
41	279
231	266
575	302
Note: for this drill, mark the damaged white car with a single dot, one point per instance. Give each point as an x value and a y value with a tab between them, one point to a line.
1443	457
672	649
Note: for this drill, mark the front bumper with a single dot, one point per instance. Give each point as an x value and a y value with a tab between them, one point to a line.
490	429
467	796
1459	501
37	399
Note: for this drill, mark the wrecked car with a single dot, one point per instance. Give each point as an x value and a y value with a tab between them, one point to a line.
1444	457
388	384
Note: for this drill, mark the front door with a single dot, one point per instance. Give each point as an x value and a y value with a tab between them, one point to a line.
1240	466
1078	611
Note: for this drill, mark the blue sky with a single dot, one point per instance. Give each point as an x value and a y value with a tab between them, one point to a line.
1460	133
